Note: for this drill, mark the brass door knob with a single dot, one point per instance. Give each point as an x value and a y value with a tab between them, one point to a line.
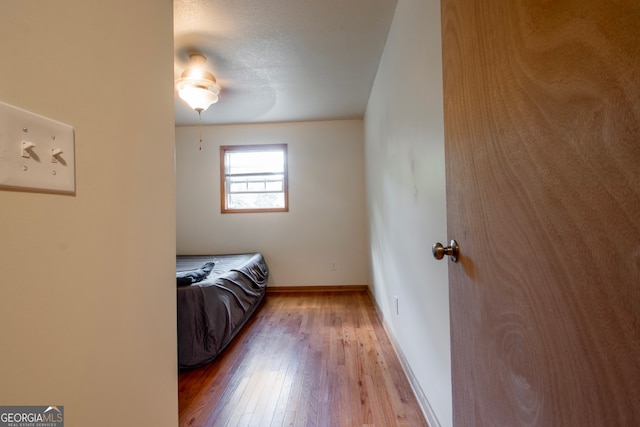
453	250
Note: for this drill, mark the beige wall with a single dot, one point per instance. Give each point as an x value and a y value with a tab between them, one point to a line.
326	221
404	133
87	299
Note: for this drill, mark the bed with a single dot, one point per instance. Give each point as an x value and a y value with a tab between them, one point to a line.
215	301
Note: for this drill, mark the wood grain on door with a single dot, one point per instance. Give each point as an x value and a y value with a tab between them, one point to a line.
542	136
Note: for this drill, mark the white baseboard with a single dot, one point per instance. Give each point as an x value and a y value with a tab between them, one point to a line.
426	408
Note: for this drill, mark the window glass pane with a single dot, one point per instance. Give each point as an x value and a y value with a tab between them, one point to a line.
255	200
255	162
254	177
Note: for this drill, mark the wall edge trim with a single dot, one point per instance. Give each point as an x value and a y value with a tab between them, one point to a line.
318	288
423	402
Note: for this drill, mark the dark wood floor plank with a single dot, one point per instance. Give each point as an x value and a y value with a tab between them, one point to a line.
305	359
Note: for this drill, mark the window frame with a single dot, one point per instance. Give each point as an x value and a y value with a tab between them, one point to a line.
247	148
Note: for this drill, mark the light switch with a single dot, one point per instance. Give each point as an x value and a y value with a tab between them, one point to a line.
36	153
26	147
55	152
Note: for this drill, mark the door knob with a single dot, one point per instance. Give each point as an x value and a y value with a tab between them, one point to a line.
452	250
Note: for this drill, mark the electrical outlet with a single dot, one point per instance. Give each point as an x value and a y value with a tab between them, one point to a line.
333	265
395	298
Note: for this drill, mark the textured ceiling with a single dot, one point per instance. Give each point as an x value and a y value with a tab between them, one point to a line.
282	60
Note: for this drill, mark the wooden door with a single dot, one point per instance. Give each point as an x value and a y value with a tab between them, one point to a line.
542	136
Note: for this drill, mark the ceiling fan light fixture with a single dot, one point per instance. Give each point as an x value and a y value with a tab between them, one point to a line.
196	86
199	98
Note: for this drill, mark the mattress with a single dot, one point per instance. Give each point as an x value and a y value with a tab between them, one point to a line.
212	311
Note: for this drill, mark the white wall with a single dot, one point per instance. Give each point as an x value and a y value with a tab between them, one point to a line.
404	134
87	294
326	219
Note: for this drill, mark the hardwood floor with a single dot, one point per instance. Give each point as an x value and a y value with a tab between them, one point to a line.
304	359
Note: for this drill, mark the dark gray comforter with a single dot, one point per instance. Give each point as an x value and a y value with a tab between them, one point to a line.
212	311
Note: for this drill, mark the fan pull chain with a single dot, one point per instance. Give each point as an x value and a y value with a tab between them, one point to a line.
200	127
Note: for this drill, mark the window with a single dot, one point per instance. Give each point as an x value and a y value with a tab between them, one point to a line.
253	178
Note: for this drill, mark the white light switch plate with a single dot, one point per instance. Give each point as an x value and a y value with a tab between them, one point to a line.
36	153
